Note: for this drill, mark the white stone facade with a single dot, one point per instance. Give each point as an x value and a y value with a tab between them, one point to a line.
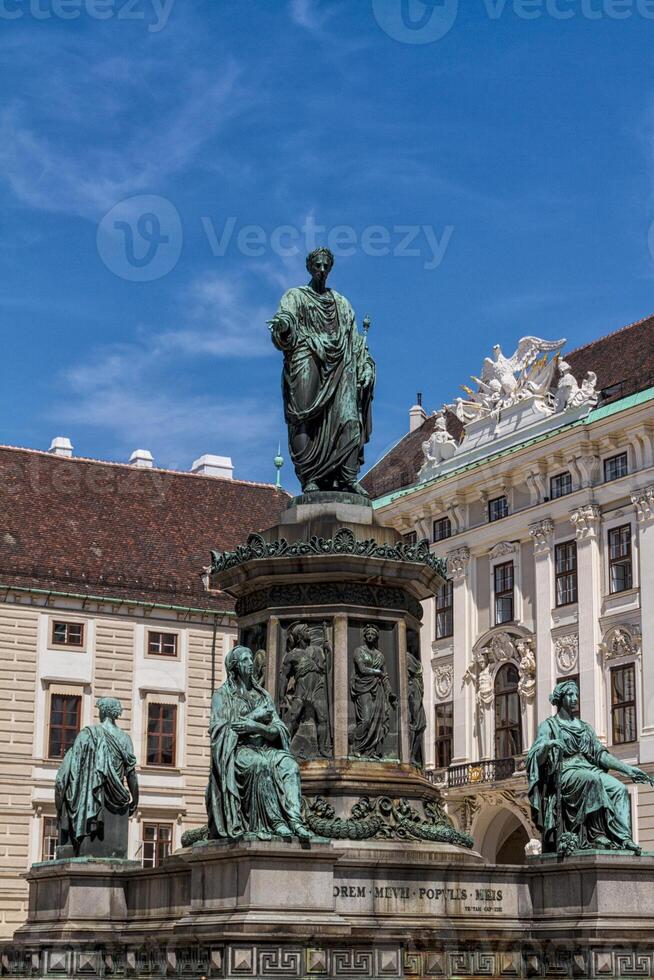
578	476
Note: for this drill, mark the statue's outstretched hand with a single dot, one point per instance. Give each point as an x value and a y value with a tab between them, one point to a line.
640	776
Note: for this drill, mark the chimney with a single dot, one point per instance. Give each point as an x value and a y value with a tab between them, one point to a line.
61	446
218	466
417	414
142	458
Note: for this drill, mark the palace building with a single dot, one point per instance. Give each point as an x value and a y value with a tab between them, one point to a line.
102	593
538	491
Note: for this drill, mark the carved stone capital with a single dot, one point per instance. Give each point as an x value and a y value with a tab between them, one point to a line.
585	520
457	563
542	532
643	501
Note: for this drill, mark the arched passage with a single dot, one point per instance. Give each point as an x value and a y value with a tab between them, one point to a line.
500	835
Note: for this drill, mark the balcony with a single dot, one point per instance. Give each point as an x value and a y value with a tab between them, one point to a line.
488	771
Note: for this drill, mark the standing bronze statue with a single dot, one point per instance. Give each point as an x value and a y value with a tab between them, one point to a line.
373	698
93	803
328	381
254	787
575	802
305	692
416	698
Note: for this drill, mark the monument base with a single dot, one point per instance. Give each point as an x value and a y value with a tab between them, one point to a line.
373	909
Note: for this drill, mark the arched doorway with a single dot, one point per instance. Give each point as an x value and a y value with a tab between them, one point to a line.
508	726
501	836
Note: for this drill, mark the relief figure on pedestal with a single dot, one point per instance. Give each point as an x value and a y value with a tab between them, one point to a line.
416	691
304	686
576	804
254	787
373	699
93	803
328	381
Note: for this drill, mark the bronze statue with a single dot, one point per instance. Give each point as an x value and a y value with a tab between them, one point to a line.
575	802
93	803
254	787
373	698
305	678
328	381
416	685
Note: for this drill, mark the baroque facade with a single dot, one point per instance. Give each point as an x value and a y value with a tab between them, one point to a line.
538	491
101	593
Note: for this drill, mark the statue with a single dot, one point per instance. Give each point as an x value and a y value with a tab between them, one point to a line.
440	445
254	786
305	694
328	381
373	698
416	688
575	802
570	395
92	801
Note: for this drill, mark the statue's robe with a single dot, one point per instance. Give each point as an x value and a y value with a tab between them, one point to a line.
325	358
417	715
370	694
254	784
593	802
91	780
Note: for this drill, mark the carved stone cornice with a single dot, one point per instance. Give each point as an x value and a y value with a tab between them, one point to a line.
503	548
585	520
542	532
457	563
643	501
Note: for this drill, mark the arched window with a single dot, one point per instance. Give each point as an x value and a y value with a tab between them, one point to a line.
508	729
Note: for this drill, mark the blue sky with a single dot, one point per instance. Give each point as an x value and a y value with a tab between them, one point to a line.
151	152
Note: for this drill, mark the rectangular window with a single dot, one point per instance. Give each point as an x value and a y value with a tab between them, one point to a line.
65	712
162	644
623	704
161	734
444	734
444	611
498	508
503	575
620	571
442	529
68	634
50	839
410	538
157	843
560	485
565	564
615	467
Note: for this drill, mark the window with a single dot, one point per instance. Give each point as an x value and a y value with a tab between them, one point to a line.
442	529
575	678
623	704
620	572
503	575
162	726
50	839
444	611
411	538
615	467
565	565
508	730
157	842
444	733
560	485
162	644
68	634
498	508
65	710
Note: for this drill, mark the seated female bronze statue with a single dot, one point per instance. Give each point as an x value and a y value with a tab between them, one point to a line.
254	788
575	802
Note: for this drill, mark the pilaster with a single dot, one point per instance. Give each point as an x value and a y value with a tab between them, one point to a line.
586	522
542	534
341	686
458	564
643	501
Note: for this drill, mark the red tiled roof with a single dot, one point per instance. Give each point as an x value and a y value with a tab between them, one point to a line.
109	529
623	362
